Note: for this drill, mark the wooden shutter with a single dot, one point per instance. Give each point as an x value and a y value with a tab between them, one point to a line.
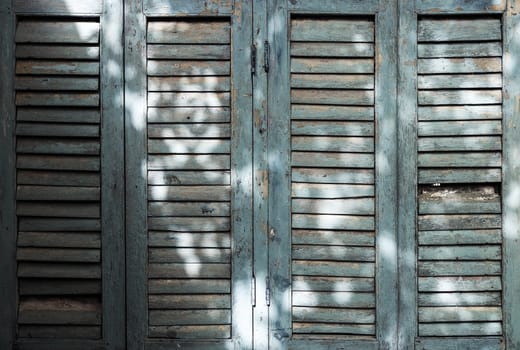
459	169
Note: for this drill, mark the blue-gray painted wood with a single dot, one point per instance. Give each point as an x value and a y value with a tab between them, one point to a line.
8	286
386	175
407	168
334	6
437	343
136	175
192	7
460	6
511	177
53	344
58	7
112	173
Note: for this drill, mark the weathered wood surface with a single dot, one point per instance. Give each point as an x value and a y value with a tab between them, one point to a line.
194	332
329	284
317	112
339	329
57	52
332	144
183	8
168	83
332	65
459	237
459	81
61	115
189	317
204	301
460	299
431	50
332	268
441	113
59	239
189	255
331	191
188	68
459	65
58	146
192	162
57	331
442	144
331	315
189	239
460	160
58	255
460	6
332	49
57	178
333	253
454	314
461	222
461	329
459	268
324	237
332	128
333	176
323	30
57	67
332	160
192	285
58	7
459	30
459	284
180	32
49	270
362	206
192	270
59	311
459	176
215	177
463	343
195	131
187	51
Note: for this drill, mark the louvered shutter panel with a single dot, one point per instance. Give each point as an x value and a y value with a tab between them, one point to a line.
189	179
58	178
459	172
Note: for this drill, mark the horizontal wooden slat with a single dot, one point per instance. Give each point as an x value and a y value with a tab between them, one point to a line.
332	160
459	65
330	315
192	162
191	193
460	81
58	255
57	146
459	160
317	112
461	206
456	237
208	83
336	30
189	130
334	7
322	237
57	52
332	97
459	268
460	176
201	146
44	162
57	67
329	284
187	51
332	65
189	317
328	175
459	29
459	222
468	343
332	253
331	191
332	49
49	270
319	329
57	193
189	255
188	286
460	253
34	31
57	99
61	115
332	128
191	270
188	209
480	329
78	210
332	144
459	284
460	299
334	299
459	128
332	81
432	50
189	115
56	332
57	130
460	97
58	178
215	177
191	332
189	224
459	6
332	268
459	112
454	314
59	311
58	224
53	83
59	7
51	287
59	239
189	239
443	144
185	32
358	206
201	301
188	99
188	68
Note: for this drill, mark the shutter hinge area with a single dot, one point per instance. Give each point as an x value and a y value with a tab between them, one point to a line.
267	50
253	59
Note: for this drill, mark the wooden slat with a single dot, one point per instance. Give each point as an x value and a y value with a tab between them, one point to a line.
454	314
189	317
58	255
330	315
332	160
460	284
328	284
459	30
332	49
460	206
460	97
188	209
332	97
191	162
57	67
334	7
57	99
459	128
332	65
189	224
57	52
61	115
459	50
191	193
189	130
49	270
201	146
54	83
59	311
188	68
332	128
202	301
316	112
463	343
59	239
191	286
459	268
322	175
209	83
461	222
58	224
443	144
189	115
457	237
57	130
58	178
318	329
189	239
332	81
56	331
59	7
215	177
459	112
191	332
459	65
57	32
334	299
322	237
331	191
332	253
332	144
459	6
57	146
57	193
460	299
78	210
332	268
336	30
189	51
189	255
188	99
52	287
460	160
460	329
184	32
361	206
460	253
460	176
459	81
332	222
192	270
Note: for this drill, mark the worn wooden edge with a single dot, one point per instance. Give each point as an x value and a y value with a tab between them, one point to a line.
455	343
334	6
59	344
8	229
386	175
459	6
260	179
192	345
112	174
136	175
407	173
188	8
58	7
344	344
511	177
279	164
241	176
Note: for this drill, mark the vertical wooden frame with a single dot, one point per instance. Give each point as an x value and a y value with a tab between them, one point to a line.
511	175
241	176
136	174
279	163
112	175
8	223
386	174
407	170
